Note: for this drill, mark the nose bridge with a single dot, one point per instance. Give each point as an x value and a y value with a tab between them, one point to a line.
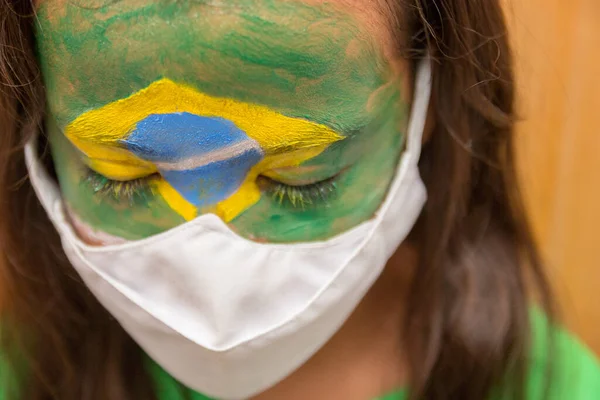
205	159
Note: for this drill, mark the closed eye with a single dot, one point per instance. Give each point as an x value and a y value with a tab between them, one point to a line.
127	190
300	196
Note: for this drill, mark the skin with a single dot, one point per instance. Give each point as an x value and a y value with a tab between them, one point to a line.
362	95
324	65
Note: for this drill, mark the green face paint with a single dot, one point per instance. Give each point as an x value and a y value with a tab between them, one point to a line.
310	62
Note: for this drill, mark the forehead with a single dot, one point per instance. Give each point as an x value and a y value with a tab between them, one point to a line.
314	60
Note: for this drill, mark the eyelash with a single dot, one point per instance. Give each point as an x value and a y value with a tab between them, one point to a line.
302	197
131	191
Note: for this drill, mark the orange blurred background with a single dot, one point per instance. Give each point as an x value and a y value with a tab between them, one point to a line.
557	49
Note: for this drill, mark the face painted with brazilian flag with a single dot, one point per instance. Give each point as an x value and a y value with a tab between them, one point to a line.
284	118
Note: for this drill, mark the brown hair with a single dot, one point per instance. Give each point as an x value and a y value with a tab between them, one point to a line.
467	326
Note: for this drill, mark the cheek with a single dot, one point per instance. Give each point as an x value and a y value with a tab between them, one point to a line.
89	234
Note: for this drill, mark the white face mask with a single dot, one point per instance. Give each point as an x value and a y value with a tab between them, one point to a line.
229	317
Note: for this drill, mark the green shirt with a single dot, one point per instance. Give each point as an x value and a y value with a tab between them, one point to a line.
576	372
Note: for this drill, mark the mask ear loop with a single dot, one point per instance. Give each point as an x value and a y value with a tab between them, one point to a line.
419	110
45	188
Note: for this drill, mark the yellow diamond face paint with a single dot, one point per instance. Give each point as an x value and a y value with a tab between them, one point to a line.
209	151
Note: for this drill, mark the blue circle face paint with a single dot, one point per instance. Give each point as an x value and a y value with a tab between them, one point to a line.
205	159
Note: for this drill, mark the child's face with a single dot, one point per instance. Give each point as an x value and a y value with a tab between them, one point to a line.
285	118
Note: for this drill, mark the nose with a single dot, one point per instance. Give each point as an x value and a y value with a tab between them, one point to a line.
205	159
